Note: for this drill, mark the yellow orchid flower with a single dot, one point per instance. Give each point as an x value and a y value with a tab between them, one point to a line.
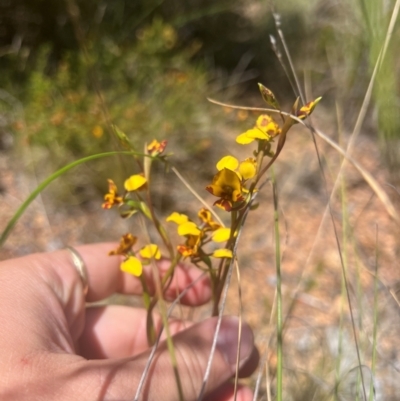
191	246
126	243
265	129
188	229
228	187
155	148
111	198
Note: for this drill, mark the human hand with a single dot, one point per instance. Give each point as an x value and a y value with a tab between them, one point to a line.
54	348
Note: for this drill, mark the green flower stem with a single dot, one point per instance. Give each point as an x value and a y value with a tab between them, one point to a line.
165	283
259	160
217	292
150	329
279	313
161	286
236	218
171	350
159	227
375	320
214	286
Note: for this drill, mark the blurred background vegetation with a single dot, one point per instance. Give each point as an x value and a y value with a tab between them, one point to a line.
72	68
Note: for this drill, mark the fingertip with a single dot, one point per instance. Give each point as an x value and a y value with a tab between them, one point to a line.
231	330
227	393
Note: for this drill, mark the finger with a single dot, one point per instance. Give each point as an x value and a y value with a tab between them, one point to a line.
227	393
105	277
116	331
119	379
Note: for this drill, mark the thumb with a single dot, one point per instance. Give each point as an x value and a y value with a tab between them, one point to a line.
120	379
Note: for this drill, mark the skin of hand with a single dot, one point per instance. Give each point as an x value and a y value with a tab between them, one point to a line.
54	347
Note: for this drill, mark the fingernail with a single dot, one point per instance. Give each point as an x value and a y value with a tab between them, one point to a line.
228	340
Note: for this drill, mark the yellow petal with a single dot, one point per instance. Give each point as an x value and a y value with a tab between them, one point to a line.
188	228
257	133
227	179
177	218
243	139
221	235
150	251
226	184
132	265
135	182
228	162
222	253
247	168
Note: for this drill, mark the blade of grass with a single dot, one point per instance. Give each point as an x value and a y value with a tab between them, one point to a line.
338	361
217	328
198	197
342	264
329	207
150	360
375	186
6	232
376	314
239	330
299	92
279	308
164	314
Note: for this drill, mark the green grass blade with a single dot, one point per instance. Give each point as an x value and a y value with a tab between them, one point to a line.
45	183
375	317
279	309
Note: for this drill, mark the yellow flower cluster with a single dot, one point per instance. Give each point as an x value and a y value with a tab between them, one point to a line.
229	184
132	264
130	203
197	236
